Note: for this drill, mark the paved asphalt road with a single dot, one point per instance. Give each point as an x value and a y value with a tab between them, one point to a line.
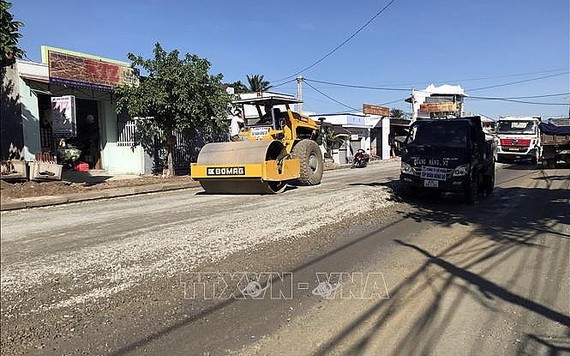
348	267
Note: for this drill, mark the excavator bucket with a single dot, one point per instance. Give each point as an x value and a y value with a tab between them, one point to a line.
246	167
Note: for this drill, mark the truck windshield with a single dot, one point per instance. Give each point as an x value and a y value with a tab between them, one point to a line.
444	133
516	127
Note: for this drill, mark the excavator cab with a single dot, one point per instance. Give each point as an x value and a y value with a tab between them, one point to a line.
277	146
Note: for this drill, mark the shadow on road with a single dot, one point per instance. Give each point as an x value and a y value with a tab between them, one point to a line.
525	243
85	178
515	224
527	166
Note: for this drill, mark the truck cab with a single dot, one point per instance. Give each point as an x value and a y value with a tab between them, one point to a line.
448	155
518	138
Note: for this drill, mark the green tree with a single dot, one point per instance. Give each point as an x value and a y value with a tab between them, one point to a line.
239	87
10	35
396	113
257	83
176	94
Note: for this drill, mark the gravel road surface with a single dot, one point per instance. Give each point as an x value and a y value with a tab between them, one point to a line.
354	268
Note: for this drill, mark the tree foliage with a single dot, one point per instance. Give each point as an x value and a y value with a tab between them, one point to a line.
10	35
396	113
239	87
175	94
257	83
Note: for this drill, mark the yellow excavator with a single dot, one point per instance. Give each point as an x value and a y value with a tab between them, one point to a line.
276	146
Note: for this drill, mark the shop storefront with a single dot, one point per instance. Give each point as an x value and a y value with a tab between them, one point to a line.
68	112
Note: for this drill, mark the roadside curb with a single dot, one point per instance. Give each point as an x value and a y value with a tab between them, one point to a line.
36	202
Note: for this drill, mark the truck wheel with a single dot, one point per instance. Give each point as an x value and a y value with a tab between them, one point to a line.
309	153
536	158
551	163
489	183
471	191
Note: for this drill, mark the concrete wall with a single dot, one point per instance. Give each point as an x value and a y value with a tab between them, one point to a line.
30	121
385	138
117	159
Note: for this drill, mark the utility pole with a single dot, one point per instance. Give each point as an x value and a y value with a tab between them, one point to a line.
414	113
300	93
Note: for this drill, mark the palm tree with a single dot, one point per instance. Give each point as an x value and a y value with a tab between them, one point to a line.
257	84
331	141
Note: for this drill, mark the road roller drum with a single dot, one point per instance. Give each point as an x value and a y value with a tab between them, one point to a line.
246	167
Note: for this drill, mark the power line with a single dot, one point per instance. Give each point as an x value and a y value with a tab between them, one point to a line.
516	101
328	54
487	78
538	96
507	99
281	84
409	89
331	98
393	101
356	86
518	82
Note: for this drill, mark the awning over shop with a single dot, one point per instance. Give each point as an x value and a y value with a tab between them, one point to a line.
42	85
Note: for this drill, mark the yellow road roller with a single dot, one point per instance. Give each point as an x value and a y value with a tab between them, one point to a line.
276	146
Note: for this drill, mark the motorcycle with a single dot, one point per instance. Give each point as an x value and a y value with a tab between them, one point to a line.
360	159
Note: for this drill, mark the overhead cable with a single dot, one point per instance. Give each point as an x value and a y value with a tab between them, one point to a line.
538	96
516	101
355	86
281	84
331	98
519	82
328	54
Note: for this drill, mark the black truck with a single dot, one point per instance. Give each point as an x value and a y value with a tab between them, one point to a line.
449	155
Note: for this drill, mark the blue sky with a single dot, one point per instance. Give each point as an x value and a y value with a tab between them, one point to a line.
510	48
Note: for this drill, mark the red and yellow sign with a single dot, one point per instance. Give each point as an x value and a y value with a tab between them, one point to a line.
438	107
375	110
86	71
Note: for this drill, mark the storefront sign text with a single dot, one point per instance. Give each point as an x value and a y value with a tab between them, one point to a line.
78	71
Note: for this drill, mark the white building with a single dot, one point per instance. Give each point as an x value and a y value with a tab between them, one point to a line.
367	132
437	101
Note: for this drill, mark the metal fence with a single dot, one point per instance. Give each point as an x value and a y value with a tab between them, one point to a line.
127	133
188	145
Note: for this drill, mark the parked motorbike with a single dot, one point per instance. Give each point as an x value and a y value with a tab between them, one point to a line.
360	159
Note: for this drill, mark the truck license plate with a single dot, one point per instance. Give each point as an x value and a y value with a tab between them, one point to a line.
431	183
431	173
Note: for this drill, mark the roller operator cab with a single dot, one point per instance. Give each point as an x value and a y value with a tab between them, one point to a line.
448	155
276	146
